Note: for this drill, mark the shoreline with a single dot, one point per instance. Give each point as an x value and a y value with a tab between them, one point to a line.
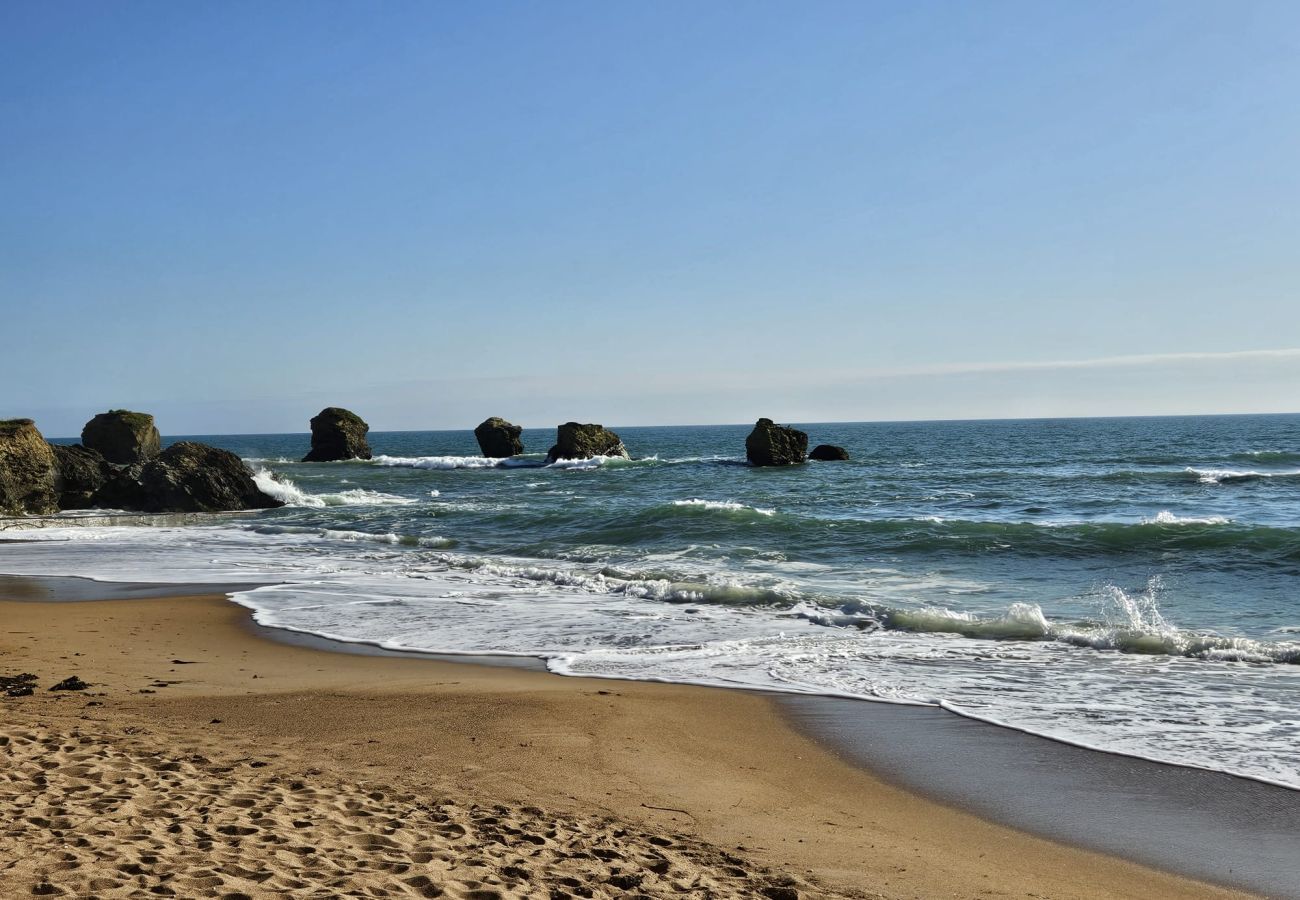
651	754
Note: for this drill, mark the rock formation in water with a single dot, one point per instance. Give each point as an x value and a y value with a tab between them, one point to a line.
81	473
498	439
28	472
336	434
770	444
576	441
186	477
829	453
122	437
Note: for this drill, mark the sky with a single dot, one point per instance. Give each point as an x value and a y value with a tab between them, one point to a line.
233	214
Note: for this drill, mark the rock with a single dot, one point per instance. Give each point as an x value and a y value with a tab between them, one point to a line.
770	444
337	433
28	471
498	439
18	685
71	683
122	437
575	441
186	477
829	453
81	473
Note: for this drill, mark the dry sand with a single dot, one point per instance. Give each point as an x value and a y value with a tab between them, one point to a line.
207	761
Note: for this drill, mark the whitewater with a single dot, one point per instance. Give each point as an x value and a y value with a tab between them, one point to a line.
1125	585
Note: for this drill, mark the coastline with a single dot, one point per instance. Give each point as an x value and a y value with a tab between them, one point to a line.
721	768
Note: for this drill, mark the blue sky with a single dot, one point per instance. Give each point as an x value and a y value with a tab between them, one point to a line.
232	214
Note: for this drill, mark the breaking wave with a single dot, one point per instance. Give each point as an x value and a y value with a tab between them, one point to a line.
288	493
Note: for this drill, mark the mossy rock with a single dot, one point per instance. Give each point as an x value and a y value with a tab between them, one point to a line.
122	437
28	471
577	441
337	434
770	444
499	439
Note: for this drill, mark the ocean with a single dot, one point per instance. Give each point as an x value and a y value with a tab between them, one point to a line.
1129	585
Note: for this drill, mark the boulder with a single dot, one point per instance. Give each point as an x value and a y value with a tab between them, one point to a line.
28	473
337	433
829	453
575	441
770	444
186	477
81	473
122	437
498	439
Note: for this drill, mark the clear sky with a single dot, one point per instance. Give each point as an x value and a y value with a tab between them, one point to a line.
232	214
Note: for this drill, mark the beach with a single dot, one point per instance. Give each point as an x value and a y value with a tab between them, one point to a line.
207	760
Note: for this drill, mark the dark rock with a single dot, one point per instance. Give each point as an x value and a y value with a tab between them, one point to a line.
770	444
122	437
498	439
81	473
28	471
186	477
829	453
575	441
71	683
18	685
337	433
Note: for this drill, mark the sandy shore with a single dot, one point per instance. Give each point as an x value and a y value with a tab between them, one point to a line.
204	760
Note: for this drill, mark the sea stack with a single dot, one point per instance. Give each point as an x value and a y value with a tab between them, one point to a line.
187	477
498	439
338	433
770	444
28	470
122	437
577	441
829	453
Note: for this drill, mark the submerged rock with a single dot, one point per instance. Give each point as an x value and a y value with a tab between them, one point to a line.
770	444
81	474
576	441
498	439
122	437
829	453
28	471
338	433
186	477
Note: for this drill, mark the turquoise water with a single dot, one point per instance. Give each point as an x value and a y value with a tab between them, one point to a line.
1127	584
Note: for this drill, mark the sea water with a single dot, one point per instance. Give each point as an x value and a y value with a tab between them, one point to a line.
1131	585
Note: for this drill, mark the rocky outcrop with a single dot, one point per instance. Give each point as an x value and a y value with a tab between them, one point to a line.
81	474
829	453
576	441
122	437
28	473
338	433
186	477
770	444
498	439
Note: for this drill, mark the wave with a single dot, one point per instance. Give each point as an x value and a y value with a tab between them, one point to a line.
1233	476
723	506
288	493
341	534
1165	517
1133	624
455	462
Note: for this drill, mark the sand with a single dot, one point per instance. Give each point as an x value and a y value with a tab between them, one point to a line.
206	760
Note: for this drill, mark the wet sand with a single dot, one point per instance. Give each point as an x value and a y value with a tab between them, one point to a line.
205	760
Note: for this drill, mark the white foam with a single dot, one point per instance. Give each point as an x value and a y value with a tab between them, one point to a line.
288	493
1165	517
725	506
